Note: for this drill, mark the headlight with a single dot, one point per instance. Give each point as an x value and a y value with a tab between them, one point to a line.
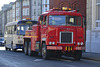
78	43
2	41
50	43
53	43
81	43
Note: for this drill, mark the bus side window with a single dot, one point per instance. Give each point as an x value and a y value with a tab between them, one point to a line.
15	29
6	30
12	29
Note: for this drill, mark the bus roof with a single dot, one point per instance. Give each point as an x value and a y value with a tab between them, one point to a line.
16	22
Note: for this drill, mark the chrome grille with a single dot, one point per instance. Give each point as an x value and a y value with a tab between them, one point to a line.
66	37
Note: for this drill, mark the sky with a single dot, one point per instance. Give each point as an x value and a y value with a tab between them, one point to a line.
2	2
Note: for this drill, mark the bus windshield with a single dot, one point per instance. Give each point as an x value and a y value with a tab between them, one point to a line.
1	39
22	28
64	20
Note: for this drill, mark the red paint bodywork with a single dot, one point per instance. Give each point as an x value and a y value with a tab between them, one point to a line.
47	33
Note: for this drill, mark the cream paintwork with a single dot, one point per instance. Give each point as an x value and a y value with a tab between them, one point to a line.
13	38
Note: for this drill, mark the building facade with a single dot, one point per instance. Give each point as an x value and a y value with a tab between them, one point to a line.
9	15
4	16
36	9
3	21
45	5
79	5
0	24
93	26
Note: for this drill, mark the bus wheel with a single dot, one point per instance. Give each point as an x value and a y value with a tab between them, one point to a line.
77	55
29	49
6	48
26	48
9	49
12	47
45	53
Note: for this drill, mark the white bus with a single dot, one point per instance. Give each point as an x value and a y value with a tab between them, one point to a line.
15	32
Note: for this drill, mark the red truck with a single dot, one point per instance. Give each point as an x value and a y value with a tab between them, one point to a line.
58	32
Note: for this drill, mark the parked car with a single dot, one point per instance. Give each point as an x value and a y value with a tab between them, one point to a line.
1	40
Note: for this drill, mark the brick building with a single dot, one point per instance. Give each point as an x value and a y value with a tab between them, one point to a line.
79	5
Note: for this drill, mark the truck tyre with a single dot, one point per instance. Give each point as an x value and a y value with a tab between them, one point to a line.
26	48
45	52
77	55
5	46
29	49
59	55
35	54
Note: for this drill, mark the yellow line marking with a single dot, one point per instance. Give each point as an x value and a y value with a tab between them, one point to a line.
32	36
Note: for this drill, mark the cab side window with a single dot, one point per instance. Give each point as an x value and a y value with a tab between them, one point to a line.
41	19
45	20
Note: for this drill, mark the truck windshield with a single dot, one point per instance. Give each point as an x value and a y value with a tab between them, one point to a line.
21	29
64	20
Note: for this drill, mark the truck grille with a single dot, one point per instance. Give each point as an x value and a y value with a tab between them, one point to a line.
66	37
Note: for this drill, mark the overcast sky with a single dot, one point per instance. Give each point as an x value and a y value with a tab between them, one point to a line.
2	2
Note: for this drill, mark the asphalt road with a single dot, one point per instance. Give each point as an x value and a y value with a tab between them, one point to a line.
18	59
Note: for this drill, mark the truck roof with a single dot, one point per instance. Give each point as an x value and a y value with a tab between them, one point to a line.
62	12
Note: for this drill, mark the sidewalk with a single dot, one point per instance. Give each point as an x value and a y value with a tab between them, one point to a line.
91	56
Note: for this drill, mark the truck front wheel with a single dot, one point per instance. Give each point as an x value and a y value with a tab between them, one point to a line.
77	55
45	52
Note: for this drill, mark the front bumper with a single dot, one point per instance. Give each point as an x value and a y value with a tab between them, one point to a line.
19	46
1	43
65	48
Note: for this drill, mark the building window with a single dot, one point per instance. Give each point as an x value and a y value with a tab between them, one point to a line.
34	2
23	12
17	12
17	4
27	11
46	1
98	14
25	2
39	12
39	2
13	6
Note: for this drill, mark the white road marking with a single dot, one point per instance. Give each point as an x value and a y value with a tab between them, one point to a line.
2	48
7	62
38	60
71	66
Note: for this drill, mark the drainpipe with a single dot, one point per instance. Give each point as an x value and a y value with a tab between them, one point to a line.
41	6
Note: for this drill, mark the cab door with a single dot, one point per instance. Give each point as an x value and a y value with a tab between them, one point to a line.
43	20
